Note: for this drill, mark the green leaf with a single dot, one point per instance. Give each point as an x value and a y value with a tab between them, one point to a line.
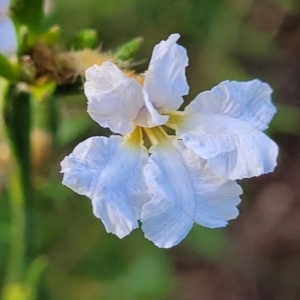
126	51
85	39
29	13
51	36
7	69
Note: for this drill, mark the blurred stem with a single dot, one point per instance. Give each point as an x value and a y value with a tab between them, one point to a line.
43	129
44	114
17	122
16	111
16	195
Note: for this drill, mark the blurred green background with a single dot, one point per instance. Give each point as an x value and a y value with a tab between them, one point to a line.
258	255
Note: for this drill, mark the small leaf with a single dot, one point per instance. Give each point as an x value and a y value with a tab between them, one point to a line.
7	69
52	35
85	39
126	51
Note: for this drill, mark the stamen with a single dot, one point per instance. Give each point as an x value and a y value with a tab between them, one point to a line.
156	135
140	78
151	136
136	137
175	118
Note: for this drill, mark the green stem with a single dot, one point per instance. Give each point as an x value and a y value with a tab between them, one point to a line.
15	268
16	112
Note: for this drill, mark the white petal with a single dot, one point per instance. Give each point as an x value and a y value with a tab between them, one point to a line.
233	148
216	198
109	172
165	80
148	116
8	38
185	191
248	101
114	100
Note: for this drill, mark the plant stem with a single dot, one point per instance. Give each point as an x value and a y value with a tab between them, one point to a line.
15	268
16	112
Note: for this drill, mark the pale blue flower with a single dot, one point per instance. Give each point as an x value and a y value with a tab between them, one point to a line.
8	37
178	180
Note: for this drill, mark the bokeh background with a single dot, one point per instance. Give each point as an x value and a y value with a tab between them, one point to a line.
257	257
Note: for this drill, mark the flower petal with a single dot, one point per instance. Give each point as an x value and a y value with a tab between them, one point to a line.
114	100
165	80
8	40
248	101
185	191
233	148
216	198
148	115
109	172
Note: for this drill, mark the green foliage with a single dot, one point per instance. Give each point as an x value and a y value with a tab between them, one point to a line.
207	242
7	69
286	121
17	121
51	36
127	50
85	38
72	128
146	278
29	13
